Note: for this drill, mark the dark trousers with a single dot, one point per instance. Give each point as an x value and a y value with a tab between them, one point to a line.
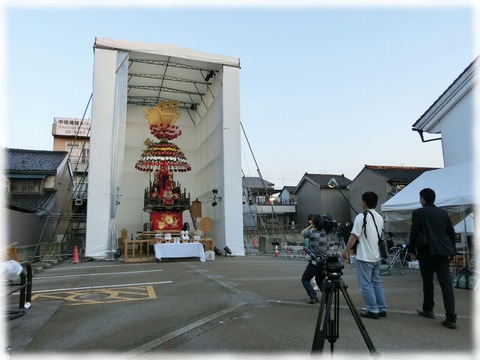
441	266
311	271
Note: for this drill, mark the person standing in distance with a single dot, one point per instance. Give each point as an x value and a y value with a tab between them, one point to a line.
434	257
389	240
366	228
308	227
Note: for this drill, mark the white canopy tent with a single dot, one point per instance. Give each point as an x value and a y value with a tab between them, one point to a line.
454	191
467	226
453	187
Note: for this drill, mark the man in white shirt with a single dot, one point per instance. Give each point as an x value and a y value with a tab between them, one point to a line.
366	229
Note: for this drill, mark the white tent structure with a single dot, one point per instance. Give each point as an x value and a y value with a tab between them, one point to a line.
129	76
453	187
468	226
454	191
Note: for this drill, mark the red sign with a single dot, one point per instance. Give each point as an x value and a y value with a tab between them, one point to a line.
167	220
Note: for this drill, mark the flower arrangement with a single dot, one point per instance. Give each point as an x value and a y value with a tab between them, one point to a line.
165	131
162	153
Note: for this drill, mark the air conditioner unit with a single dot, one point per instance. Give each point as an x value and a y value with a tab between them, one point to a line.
78	202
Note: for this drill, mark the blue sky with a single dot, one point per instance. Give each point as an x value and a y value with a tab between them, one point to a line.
323	89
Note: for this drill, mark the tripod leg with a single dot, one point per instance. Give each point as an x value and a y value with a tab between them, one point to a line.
333	331
358	320
323	318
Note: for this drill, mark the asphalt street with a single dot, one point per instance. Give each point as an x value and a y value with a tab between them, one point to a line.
236	306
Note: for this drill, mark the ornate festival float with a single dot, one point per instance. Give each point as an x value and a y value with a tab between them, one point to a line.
164	198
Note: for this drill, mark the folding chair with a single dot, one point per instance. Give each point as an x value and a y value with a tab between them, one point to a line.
395	257
300	251
404	254
290	251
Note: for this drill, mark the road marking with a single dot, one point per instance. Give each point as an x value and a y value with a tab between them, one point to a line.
214	279
84	265
101	287
101	296
99	274
157	342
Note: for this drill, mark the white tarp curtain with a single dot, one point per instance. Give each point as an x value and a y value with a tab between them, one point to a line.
118	145
166	50
453	187
107	145
467	226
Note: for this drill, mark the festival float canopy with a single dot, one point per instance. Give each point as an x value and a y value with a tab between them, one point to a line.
163	153
129	75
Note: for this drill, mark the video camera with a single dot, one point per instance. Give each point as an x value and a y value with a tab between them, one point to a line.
329	224
333	267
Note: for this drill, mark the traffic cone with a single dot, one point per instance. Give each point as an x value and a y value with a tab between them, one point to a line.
276	254
75	255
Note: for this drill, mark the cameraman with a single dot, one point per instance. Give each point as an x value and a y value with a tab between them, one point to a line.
317	251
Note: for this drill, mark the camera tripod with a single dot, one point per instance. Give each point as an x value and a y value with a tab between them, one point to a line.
327	327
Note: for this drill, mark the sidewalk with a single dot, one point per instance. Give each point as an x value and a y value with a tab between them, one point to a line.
238	305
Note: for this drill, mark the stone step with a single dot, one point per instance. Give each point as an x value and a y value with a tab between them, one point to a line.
46	263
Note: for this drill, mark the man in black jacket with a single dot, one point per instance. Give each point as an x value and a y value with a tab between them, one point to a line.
435	256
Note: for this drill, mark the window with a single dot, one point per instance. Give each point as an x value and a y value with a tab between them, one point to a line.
79	152
26	186
393	189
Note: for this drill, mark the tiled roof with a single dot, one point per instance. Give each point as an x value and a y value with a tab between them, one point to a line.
256	183
399	174
32	161
322	179
31	203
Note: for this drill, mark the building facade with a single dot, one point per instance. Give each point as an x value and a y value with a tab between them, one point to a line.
315	196
38	186
73	136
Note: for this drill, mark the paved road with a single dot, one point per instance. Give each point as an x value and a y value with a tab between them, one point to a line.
251	305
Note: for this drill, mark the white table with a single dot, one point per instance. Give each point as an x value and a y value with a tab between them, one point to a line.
181	250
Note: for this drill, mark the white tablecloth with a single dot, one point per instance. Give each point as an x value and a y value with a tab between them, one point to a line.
179	251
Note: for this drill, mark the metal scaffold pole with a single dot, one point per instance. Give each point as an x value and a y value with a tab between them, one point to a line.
274	215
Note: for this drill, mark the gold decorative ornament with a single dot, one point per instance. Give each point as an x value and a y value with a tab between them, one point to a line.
165	113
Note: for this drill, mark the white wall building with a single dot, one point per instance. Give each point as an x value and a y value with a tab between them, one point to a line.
451	119
452	116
